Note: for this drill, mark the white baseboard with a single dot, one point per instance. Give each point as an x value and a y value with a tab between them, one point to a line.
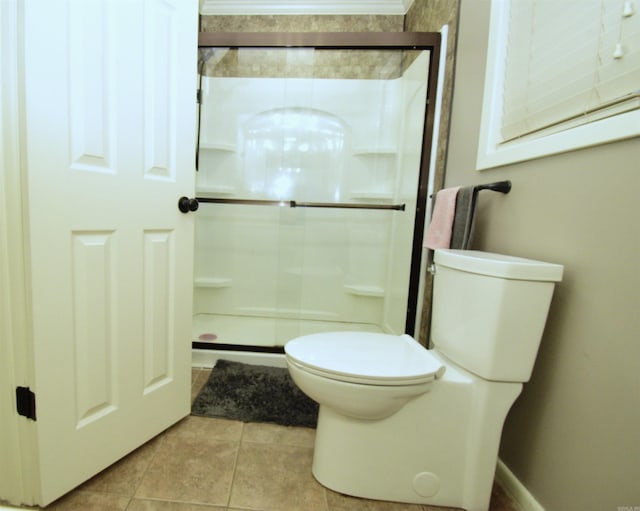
516	490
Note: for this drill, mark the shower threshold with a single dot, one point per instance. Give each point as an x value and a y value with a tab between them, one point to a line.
261	334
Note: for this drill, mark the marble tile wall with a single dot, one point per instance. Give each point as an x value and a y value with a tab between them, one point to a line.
278	63
430	16
302	23
305	64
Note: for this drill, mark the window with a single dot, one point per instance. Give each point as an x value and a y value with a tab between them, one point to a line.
560	75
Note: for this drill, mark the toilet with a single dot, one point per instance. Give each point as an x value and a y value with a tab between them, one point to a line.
402	423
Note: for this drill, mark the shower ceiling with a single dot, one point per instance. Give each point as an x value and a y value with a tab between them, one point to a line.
346	7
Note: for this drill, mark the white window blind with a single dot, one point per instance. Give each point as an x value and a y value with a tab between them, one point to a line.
569	62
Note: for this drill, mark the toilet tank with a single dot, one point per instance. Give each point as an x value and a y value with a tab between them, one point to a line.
489	311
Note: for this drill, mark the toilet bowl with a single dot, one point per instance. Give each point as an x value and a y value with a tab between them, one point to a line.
402	423
362	375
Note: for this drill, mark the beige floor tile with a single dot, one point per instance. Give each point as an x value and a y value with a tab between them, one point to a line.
339	502
205	464
190	468
198	378
196	428
500	500
159	505
89	501
275	434
276	478
123	477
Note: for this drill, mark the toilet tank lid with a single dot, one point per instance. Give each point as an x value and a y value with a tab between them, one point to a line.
498	265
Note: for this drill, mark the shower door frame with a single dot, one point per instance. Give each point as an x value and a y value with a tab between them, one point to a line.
429	41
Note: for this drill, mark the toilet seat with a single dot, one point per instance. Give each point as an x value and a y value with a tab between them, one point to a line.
365	358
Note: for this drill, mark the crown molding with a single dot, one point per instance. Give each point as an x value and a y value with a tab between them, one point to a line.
256	7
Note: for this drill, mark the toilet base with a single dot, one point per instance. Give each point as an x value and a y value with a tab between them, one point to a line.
439	449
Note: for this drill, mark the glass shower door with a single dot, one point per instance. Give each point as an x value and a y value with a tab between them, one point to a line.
308	171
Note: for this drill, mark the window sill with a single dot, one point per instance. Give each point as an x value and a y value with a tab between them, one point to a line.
493	154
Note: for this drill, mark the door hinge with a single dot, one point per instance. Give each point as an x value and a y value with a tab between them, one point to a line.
26	402
199	96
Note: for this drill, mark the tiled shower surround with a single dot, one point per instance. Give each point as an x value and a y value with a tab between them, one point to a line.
302	23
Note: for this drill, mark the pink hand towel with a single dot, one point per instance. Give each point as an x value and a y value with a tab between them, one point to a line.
440	227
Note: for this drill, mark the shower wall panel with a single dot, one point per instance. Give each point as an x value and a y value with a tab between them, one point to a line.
291	264
316	264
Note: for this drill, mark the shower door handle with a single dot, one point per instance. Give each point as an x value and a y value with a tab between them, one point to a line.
185	204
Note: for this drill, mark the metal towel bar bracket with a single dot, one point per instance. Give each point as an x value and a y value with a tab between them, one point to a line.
498	186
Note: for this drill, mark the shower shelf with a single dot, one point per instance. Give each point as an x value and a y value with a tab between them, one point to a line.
212	282
363	290
217	147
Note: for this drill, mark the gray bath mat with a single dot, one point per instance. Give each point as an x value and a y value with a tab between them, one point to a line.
253	393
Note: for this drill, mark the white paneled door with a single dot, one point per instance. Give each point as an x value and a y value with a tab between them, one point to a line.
109	116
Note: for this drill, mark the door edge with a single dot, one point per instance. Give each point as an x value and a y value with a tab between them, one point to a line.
19	476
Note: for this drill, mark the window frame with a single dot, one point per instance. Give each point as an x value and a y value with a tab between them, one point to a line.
492	152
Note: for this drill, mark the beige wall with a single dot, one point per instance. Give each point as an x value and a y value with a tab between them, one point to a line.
573	437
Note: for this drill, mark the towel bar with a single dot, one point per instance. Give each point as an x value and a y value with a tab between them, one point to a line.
461	226
498	186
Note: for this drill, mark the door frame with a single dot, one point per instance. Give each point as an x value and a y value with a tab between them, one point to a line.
18	479
430	41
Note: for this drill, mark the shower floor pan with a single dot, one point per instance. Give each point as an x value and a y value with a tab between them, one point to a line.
245	331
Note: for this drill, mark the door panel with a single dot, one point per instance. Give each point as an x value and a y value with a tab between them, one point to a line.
110	115
94	344
159	257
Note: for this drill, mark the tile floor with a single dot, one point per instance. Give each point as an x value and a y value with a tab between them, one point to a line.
203	464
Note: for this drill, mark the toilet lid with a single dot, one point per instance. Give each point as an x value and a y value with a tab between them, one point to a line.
364	357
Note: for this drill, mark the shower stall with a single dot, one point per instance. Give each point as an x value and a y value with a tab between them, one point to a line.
312	171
